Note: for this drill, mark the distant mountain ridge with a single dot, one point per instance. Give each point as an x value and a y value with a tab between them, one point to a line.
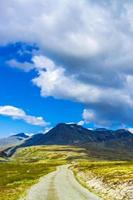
13	140
20	135
69	134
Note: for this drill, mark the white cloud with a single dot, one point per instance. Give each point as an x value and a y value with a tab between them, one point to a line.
17	113
54	82
81	123
11	111
39	121
105	102
93	50
56	25
88	116
26	66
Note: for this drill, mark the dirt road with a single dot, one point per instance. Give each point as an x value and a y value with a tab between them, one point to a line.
59	185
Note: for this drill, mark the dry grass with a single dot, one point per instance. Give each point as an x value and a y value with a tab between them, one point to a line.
30	163
109	179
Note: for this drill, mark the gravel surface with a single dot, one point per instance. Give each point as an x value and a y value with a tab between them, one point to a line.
59	185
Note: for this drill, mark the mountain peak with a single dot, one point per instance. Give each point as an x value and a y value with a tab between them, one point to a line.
66	124
21	135
74	134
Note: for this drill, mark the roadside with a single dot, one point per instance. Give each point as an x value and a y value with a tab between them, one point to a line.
110	180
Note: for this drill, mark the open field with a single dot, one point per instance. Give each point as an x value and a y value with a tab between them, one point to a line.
113	180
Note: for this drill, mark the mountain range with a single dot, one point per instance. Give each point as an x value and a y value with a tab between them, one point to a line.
13	140
102	143
73	134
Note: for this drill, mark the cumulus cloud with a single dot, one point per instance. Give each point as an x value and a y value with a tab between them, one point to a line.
89	45
17	113
54	82
106	102
56	25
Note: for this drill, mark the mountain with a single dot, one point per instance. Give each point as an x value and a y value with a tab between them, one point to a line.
20	136
73	134
101	144
62	134
13	140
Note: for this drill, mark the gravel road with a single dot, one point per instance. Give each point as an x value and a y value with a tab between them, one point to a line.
59	185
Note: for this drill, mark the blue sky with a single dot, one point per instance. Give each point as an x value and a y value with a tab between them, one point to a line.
64	61
18	91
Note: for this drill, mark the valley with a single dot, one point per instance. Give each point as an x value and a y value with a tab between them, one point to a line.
29	164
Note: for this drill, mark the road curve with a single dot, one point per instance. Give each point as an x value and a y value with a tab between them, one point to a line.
59	185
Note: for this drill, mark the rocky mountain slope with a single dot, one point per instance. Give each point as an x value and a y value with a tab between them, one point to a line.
69	134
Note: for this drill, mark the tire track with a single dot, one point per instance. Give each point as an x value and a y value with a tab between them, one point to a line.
52	191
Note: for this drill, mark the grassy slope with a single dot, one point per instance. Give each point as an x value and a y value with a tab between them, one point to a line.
111	151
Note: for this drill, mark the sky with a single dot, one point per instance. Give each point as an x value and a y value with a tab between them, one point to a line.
65	61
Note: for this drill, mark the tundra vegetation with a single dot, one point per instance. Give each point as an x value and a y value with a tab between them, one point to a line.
27	165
